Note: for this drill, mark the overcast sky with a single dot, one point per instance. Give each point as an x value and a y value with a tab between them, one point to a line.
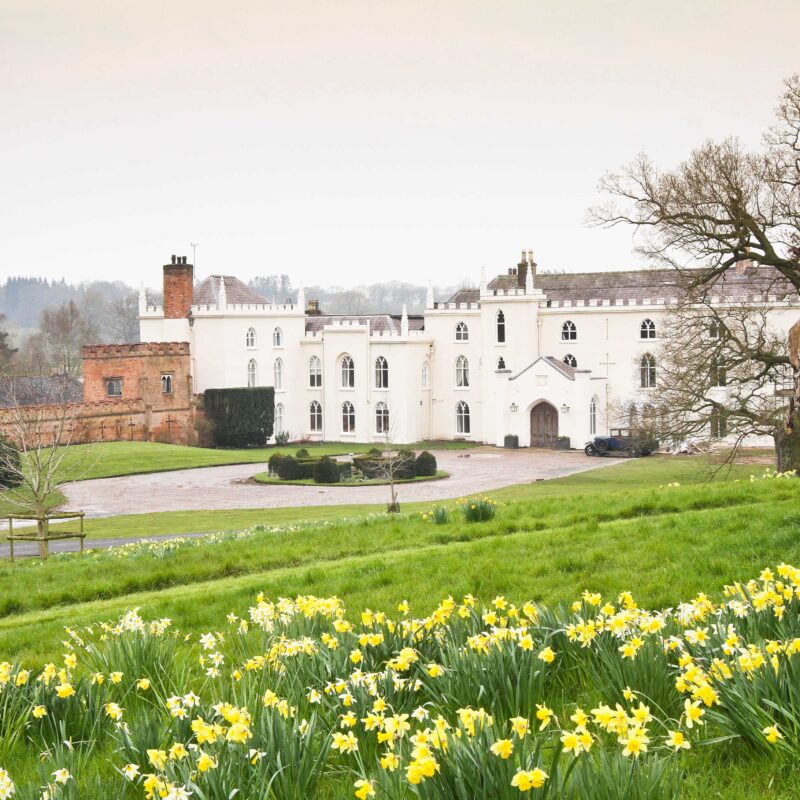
350	142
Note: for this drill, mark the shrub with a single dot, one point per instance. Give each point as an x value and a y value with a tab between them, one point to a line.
326	470
288	469
241	417
274	461
374	452
10	464
478	509
282	438
302	453
425	464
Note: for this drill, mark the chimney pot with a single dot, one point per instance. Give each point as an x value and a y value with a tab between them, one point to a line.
173	259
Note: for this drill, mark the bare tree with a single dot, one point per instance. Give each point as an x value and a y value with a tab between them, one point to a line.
395	463
42	435
726	378
724	210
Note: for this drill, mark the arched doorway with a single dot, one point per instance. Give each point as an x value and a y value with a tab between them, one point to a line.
544	425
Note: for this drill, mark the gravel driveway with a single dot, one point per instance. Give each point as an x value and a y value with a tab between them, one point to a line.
471	472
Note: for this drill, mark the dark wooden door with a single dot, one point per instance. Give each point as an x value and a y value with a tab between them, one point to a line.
544	425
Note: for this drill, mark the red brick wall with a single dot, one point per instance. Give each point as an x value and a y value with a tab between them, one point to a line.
140	366
178	289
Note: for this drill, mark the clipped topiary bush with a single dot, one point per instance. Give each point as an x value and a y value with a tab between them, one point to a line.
326	470
374	452
302	453
425	465
9	464
274	460
288	469
406	464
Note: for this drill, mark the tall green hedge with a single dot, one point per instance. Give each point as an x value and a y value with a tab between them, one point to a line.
241	417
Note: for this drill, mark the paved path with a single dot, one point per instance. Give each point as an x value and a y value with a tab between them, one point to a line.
28	549
228	487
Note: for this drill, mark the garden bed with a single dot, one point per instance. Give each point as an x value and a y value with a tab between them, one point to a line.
271	480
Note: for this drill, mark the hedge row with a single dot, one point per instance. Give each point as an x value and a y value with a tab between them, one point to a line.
326	470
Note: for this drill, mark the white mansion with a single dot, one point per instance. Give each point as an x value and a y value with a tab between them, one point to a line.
538	356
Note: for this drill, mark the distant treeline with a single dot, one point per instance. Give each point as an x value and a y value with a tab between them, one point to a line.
44	323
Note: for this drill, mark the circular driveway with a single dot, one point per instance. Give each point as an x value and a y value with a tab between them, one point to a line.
210	488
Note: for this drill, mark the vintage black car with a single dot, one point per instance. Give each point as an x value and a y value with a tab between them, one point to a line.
622	442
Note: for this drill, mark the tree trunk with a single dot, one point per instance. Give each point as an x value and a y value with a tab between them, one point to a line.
787	446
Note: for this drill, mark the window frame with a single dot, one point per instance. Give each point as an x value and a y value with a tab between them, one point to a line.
277	374
462	331
381	418
348	417
314	372
167	380
381	373
574	363
647	330
426	375
315	416
347	367
251	339
252	373
463	421
569	331
462	372
280	418
277	337
500	326
116	382
593	416
647	371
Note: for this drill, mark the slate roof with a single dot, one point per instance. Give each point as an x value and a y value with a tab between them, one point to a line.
636	285
206	293
377	322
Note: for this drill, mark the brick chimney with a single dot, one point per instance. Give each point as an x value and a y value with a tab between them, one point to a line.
178	288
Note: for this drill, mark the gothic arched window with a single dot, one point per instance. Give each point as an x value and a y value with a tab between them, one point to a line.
569	333
462	418
593	416
647	372
315	413
381	373
277	338
570	360
348	418
278	375
252	373
501	327
462	332
426	375
381	418
314	372
647	330
719	375
279	418
462	372
250	337
501	363
348	373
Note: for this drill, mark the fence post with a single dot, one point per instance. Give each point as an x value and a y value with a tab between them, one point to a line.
11	537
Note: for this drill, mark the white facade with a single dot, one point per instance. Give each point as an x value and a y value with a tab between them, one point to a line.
504	359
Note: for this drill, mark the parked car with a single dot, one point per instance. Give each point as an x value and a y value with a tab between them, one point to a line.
622	441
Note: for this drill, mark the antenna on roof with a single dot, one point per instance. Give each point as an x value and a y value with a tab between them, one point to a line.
194	246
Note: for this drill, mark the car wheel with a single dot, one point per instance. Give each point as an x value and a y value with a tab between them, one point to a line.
590	450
